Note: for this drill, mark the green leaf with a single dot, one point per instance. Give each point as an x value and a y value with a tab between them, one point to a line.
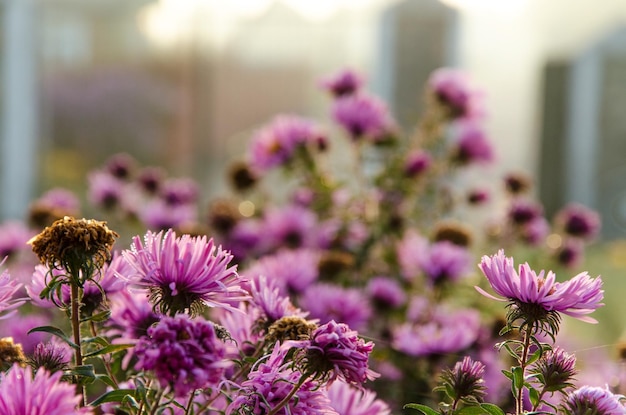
106	379
85	373
103	316
533	395
491	409
55	331
112	348
96	340
470	410
426	410
114	396
518	377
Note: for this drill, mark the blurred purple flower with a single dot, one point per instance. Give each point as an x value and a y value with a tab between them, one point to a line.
534	232
579	221
386	292
570	253
411	251
14	236
478	196
121	166
452	88
576	297
183	272
105	190
344	82
331	302
593	400
275	144
363	116
18	326
471	144
416	163
291	226
158	215
181	191
445	261
184	354
523	211
292	270
348	400
41	394
272	306
151	179
8	289
60	199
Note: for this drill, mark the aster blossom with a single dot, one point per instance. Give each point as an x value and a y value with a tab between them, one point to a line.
464	380
363	116
8	289
593	400
183	273
538	298
42	394
183	353
344	82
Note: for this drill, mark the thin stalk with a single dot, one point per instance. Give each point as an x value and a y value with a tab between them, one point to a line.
519	404
290	395
75	318
105	361
190	403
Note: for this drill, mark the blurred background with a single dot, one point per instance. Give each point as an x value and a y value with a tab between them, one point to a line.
183	83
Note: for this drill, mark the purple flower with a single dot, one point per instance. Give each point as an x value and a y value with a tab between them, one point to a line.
348	400
452	89
131	316
181	273
272	381
43	394
291	226
60	199
275	144
555	370
336	351
184	354
8	289
105	190
272	306
159	215
593	400
121	166
464	380
416	163
344	82
52	356
445	261
386	292
292	270
445	332
18	326
363	116
177	192
241	327
244	239
533	296
13	238
150	179
471	144
534	231
579	221
331	302
570	253
411	251
478	196
523	211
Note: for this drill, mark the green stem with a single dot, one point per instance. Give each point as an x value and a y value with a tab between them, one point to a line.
105	361
519	404
290	395
190	403
75	318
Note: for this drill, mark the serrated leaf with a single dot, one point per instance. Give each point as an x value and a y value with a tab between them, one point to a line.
112	348
55	331
114	396
426	410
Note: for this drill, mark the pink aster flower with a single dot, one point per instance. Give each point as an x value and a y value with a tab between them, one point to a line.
269	302
536	297
336	351
348	400
417	162
184	354
291	226
275	144
41	394
271	382
292	270
445	261
386	292
13	238
594	400
105	190
18	326
453	89
328	302
344	82
471	144
578	221
363	116
8	290
159	215
182	273
181	191
60	199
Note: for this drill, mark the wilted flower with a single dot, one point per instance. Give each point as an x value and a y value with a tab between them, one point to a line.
10	353
537	299
42	394
183	273
593	400
184	354
76	245
54	204
453	232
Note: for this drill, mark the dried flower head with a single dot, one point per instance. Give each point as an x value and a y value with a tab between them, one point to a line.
10	353
289	328
333	263
76	245
223	216
454	232
241	176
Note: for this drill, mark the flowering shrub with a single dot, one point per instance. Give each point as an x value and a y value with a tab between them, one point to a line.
338	278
